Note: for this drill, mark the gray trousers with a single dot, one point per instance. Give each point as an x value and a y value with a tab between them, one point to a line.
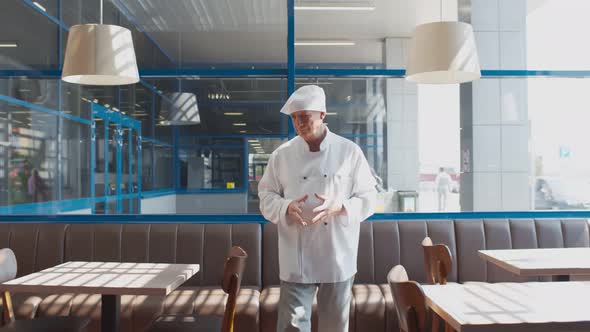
333	306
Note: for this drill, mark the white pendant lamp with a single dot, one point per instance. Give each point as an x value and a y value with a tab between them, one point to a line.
443	53
100	54
184	111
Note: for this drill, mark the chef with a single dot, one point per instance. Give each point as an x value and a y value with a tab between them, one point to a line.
317	188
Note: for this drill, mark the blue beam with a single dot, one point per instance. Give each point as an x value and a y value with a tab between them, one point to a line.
42	12
290	59
350	72
256	218
281	73
188	72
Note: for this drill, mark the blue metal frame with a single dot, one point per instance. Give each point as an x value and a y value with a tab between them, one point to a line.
301	72
120	121
92	165
291	60
290	72
50	17
257	218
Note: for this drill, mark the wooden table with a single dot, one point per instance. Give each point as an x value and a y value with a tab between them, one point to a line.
518	307
111	280
541	262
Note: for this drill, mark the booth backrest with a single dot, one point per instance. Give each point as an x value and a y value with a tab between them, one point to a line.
38	246
384	244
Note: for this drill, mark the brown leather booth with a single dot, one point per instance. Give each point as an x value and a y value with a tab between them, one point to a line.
38	246
382	245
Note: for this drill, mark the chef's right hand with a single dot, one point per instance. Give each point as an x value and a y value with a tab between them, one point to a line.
294	210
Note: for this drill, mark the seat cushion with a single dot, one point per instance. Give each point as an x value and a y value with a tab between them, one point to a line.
47	324
391	321
369	304
211	301
89	305
269	305
184	323
25	305
55	305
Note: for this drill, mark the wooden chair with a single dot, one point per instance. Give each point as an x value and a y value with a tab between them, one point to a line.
8	267
233	270
438	263
409	301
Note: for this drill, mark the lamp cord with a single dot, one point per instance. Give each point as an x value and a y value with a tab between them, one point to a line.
100	11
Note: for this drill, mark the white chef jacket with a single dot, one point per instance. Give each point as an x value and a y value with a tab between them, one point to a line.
325	251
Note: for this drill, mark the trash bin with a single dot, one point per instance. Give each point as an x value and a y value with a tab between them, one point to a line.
407	200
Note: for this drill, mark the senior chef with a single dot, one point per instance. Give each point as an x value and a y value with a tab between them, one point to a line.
317	188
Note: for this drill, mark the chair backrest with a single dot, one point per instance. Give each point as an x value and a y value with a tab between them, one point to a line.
8	264
233	271
8	269
438	261
409	300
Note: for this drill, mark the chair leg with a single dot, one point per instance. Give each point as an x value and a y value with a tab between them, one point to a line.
435	322
7	310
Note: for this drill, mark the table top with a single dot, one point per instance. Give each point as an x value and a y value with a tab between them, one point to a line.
521	307
541	262
105	278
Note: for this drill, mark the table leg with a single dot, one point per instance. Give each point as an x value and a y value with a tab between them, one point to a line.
110	308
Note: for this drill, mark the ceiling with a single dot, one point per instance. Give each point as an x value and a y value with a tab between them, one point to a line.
255	31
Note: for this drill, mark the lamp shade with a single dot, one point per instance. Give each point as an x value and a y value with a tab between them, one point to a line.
184	110
443	53
100	54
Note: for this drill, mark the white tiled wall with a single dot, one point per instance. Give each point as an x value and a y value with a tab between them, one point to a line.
501	156
486	149
487	188
486	102
402	125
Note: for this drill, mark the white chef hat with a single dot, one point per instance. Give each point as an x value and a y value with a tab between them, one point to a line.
306	98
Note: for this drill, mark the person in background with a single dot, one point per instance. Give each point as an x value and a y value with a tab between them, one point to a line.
443	187
317	188
36	187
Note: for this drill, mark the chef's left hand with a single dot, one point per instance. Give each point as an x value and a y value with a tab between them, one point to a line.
330	207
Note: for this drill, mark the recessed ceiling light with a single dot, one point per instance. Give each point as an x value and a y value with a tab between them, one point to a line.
39	6
233	113
324	43
8	44
239	124
357	8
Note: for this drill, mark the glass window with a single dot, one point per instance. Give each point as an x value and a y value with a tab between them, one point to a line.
147	166
438	138
560	153
351	38
42	92
211	168
32	36
238	34
163	175
356	109
75	160
238	106
29	155
259	150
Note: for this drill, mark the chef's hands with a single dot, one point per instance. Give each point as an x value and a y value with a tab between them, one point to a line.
294	210
330	207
